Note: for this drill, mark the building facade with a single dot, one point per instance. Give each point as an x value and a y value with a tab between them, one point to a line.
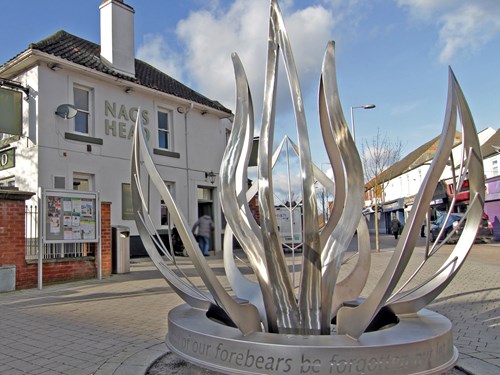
402	181
90	148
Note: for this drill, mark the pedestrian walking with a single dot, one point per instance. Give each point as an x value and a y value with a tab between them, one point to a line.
395	227
202	229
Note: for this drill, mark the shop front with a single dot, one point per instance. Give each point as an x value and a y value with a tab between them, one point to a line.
492	204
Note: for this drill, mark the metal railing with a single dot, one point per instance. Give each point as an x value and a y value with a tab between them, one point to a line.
31	232
52	250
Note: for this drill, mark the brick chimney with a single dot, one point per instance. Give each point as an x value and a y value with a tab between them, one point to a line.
117	36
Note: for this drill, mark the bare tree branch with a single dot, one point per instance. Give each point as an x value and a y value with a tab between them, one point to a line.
377	157
379	154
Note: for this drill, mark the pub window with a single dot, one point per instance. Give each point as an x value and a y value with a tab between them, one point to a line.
59	182
83	182
495	167
164	130
204	194
82	97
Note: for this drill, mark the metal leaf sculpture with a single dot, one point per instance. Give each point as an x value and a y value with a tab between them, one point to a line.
268	301
353	321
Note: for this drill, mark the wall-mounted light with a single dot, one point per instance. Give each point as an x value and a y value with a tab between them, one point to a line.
211	176
54	66
129	90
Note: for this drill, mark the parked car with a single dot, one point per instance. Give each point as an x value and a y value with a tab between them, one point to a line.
484	233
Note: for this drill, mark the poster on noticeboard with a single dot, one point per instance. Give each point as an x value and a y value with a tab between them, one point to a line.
70	216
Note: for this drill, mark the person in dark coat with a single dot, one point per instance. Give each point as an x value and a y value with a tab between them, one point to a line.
395	227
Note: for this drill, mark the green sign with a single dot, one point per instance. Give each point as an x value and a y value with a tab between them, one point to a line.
127	209
7	158
11	118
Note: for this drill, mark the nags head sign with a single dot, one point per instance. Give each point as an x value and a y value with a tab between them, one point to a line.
119	120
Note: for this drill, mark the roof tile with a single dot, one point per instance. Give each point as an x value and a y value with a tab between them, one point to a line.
82	52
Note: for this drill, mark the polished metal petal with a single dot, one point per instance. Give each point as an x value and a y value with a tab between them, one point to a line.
310	286
287	312
244	315
472	167
339	145
351	286
189	294
233	178
353	321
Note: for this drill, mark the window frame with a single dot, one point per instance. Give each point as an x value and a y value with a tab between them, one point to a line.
89	112
165	132
80	177
55	181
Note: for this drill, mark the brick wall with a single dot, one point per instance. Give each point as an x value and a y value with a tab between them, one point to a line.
12	251
106	238
12	229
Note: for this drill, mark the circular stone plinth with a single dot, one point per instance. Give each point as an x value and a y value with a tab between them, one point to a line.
419	344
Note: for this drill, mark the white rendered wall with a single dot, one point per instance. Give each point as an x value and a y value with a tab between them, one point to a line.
405	185
408	183
53	155
492	166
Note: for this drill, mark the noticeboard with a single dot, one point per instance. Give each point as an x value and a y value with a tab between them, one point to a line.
70	216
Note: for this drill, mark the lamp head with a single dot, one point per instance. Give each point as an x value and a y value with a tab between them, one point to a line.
211	176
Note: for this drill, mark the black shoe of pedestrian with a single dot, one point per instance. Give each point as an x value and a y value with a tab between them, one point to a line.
207	255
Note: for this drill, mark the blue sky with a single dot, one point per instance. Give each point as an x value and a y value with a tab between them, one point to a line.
393	53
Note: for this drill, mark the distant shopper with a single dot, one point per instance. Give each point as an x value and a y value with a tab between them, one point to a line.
395	227
203	228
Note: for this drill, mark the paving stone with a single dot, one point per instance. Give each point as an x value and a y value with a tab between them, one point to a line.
118	325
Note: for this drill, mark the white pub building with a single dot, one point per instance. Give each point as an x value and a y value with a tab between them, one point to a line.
89	149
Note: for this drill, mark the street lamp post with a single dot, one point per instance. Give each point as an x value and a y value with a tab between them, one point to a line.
366	106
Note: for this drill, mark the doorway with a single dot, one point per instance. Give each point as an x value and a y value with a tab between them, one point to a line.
206	207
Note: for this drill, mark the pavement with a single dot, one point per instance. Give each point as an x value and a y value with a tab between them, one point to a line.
118	325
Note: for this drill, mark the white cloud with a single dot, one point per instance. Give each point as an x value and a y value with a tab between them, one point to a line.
209	37
155	51
467	29
425	8
464	26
